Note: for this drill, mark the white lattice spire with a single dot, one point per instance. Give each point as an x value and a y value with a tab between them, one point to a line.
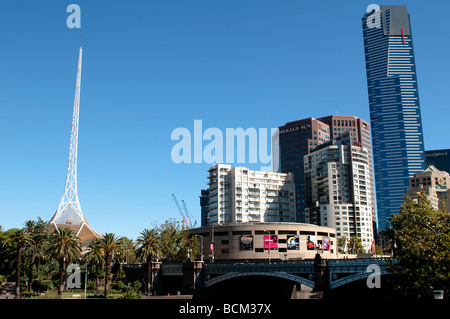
69	212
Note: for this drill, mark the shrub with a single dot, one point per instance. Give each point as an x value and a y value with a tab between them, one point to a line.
41	285
120	285
130	295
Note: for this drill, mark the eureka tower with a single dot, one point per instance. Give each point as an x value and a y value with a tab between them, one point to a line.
396	125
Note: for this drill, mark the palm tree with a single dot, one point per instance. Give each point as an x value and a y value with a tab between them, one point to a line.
32	252
148	247
41	236
95	257
22	239
126	254
64	246
108	243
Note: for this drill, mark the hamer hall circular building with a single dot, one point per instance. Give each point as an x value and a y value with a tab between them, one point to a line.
263	241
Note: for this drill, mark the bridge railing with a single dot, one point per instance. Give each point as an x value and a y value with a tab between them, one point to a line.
359	261
258	263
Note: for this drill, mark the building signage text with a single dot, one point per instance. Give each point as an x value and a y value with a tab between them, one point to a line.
295	129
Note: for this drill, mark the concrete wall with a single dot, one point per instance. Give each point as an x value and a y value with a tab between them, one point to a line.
228	242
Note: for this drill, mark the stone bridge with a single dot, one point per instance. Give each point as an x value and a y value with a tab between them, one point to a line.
318	274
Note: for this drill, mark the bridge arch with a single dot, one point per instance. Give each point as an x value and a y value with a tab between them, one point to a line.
354	277
282	275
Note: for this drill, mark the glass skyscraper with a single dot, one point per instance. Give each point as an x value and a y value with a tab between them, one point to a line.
439	159
396	125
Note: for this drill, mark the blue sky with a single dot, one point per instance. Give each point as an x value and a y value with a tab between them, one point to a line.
150	67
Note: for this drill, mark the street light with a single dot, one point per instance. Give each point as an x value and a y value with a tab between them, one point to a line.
85	281
212	245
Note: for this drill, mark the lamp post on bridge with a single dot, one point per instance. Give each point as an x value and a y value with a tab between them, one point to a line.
270	240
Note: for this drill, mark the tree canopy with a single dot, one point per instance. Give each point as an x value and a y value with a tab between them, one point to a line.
420	236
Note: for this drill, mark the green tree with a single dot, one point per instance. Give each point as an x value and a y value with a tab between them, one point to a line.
341	244
355	245
41	236
94	257
421	237
109	242
148	248
63	246
351	246
175	242
7	253
125	253
34	254
21	239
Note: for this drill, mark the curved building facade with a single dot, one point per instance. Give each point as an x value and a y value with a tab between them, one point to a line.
263	241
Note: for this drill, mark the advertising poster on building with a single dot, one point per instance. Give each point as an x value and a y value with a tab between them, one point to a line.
246	242
311	242
270	242
293	243
326	243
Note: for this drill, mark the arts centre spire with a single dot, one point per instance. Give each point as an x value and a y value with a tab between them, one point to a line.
69	214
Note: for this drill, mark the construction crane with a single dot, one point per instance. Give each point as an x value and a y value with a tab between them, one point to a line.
181	211
189	217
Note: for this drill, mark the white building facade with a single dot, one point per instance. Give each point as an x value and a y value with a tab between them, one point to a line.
337	178
241	195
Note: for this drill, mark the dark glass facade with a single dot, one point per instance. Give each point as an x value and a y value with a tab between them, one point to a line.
295	140
439	159
204	206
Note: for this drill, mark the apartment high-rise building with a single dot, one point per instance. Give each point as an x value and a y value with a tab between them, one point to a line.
298	138
359	131
434	183
396	125
240	195
338	188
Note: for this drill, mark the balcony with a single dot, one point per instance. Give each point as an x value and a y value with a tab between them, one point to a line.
212	199
212	181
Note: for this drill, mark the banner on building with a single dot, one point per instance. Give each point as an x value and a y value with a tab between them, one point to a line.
246	242
326	243
311	242
293	243
270	242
